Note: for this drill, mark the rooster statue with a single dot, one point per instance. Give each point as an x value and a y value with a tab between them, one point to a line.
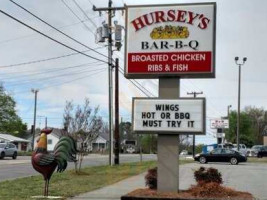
46	163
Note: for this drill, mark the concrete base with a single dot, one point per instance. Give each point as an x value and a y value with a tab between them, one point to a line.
168	166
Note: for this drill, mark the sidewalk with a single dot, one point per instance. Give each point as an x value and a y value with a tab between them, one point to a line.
114	191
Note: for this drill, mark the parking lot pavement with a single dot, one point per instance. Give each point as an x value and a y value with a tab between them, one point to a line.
247	177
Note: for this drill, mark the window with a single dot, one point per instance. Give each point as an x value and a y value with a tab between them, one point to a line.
11	146
228	151
216	151
49	141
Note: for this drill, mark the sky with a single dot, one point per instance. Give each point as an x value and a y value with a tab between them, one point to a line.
61	75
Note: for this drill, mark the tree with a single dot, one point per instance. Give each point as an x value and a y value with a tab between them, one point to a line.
246	135
258	120
149	143
10	122
83	124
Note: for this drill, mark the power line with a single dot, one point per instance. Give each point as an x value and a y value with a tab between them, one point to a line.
77	16
43	60
51	70
84	13
29	81
62	44
138	87
66	82
57	28
143	88
25	36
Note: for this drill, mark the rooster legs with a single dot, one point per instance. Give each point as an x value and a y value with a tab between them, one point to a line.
46	188
47	185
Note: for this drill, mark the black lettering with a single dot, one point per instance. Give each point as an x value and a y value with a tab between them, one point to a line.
193	44
144	45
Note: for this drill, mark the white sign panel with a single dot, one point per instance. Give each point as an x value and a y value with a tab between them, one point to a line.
176	116
219	123
170	40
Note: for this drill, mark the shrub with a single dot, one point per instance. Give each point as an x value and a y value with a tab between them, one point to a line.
209	175
151	178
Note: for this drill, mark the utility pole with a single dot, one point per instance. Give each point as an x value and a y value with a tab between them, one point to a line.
194	136
117	134
238	103
45	122
106	32
35	91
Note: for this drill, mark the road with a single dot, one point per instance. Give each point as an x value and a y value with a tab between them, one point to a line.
21	167
249	177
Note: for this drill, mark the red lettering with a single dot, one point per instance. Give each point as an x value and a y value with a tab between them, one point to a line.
159	15
180	16
171	15
138	23
191	17
204	23
147	20
188	17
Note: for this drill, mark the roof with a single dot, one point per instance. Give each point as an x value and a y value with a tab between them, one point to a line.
104	135
56	132
12	138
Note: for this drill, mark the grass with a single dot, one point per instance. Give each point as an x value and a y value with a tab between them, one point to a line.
257	160
69	184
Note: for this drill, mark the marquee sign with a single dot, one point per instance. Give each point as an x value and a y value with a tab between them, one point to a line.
219	123
170	116
170	40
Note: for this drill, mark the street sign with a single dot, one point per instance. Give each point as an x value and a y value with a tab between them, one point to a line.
170	40
219	123
220	135
169	116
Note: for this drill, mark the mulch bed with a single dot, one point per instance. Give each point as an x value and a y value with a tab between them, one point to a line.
208	191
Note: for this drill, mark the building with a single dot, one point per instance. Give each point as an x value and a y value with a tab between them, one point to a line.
52	138
21	143
100	143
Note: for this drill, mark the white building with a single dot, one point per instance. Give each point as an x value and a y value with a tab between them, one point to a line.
52	139
21	143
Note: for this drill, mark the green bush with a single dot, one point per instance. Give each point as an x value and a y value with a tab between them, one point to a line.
208	175
151	178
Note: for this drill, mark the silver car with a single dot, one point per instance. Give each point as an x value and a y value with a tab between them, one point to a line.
8	150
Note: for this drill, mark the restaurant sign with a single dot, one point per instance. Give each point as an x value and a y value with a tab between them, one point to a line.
170	40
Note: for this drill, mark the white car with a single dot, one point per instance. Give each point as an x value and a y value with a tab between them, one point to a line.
242	148
8	150
184	152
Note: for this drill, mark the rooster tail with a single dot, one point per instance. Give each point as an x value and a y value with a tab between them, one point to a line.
65	150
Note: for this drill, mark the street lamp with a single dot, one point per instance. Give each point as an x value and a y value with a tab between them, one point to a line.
228	111
238	105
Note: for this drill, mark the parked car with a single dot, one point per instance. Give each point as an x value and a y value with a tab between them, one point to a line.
262	152
254	150
242	148
221	155
184	152
8	150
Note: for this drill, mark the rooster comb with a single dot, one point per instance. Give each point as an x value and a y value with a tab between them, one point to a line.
47	130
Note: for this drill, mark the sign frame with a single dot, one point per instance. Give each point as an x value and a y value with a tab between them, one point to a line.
173	74
203	132
223	126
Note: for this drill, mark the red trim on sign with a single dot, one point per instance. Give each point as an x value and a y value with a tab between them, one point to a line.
171	62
